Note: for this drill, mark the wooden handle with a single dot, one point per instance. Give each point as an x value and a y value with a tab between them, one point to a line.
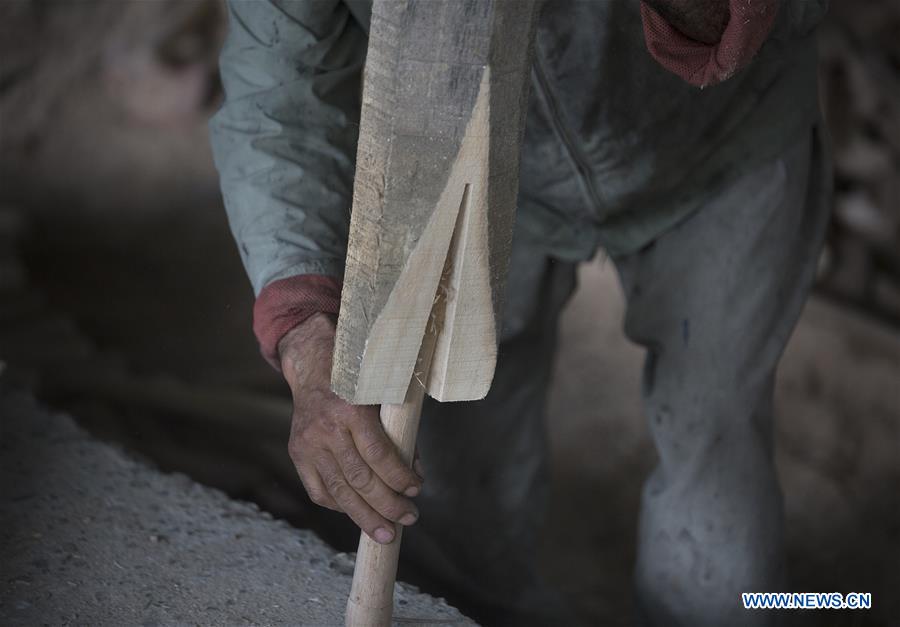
371	602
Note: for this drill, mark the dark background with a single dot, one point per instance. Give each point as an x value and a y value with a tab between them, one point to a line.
123	301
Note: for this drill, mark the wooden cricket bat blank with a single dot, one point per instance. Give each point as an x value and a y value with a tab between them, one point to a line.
443	113
444	101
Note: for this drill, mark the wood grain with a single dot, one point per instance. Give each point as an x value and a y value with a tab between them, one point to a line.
444	101
371	600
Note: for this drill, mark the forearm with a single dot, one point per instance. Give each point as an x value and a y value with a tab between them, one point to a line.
701	20
305	348
284	143
284	140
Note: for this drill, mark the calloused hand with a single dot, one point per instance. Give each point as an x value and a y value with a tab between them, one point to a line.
343	456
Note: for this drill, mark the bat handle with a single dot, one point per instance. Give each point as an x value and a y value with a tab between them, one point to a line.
371	601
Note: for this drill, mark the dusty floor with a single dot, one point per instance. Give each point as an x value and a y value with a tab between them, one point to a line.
90	536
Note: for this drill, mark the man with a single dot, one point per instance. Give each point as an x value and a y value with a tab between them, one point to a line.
681	136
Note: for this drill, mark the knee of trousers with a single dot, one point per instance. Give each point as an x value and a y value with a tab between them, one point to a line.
712	518
695	407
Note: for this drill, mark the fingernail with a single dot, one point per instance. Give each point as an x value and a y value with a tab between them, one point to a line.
411	491
384	536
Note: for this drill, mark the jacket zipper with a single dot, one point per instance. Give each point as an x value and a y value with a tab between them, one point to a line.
578	162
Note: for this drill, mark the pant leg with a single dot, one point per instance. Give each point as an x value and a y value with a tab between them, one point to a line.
485	463
714	302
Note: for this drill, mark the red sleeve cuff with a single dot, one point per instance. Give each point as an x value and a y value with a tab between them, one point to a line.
702	64
284	304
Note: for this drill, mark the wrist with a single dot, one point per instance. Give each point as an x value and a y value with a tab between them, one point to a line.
285	304
303	350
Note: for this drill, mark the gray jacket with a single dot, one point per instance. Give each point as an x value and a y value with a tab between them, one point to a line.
617	149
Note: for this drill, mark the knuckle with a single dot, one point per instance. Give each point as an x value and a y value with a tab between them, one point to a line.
392	510
402	478
333	483
359	476
376	451
340	490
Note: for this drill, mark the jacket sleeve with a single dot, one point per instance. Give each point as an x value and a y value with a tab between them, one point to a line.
286	303
284	141
702	64
748	28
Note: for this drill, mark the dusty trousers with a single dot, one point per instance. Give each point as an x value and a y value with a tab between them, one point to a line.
714	301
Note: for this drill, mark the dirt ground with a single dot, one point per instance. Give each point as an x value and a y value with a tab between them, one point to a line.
128	261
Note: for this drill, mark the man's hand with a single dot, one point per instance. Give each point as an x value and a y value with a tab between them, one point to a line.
343	457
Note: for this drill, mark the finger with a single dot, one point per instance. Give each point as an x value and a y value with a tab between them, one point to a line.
366	518
369	485
382	456
315	488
